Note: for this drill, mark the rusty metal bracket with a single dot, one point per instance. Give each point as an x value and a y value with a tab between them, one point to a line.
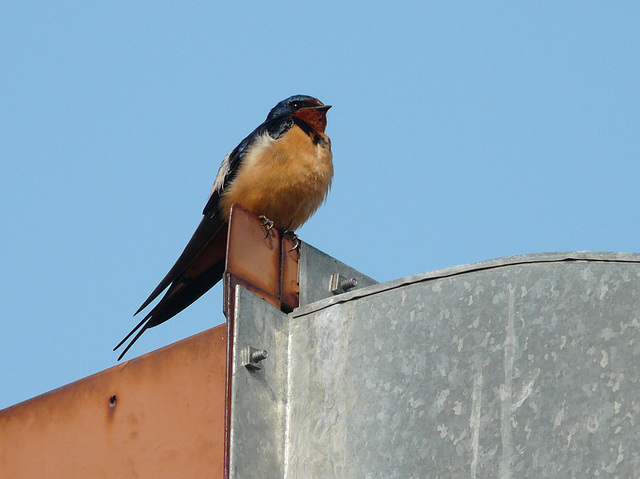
262	260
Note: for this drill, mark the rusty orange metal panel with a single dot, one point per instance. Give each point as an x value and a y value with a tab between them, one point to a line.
253	254
253	251
159	415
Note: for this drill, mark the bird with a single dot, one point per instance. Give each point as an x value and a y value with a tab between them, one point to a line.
282	171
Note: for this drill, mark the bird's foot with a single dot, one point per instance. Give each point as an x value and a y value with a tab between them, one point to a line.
294	239
267	223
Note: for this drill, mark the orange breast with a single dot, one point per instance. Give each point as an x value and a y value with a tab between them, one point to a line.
285	179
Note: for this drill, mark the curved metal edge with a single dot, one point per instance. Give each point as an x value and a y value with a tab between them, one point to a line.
557	257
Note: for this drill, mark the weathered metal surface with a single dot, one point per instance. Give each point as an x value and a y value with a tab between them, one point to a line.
527	367
315	271
289	261
253	255
262	260
256	427
159	415
518	367
369	288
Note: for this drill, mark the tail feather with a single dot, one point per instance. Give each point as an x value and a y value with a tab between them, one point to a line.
180	295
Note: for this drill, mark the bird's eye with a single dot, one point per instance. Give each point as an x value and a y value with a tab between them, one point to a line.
295	105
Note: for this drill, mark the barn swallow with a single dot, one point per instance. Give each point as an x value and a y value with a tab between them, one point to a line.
281	171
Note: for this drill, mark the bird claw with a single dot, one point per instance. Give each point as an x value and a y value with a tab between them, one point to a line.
294	239
267	223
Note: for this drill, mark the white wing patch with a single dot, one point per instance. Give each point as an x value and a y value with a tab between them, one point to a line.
262	141
223	171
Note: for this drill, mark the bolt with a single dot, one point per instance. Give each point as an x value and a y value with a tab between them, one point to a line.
347	284
259	355
338	284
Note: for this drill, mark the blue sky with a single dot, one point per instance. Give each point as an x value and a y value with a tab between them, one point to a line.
461	132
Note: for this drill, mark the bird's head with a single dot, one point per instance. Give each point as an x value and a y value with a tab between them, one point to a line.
307	108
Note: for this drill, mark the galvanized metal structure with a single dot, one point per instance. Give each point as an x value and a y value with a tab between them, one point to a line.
518	367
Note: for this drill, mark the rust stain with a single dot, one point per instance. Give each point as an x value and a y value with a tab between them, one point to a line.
253	253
